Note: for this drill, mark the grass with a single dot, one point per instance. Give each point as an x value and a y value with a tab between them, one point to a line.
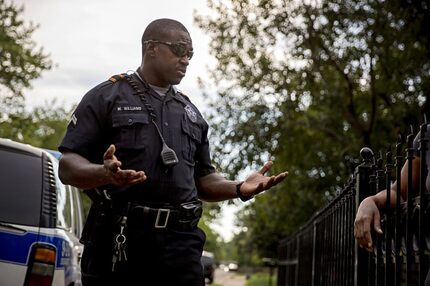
261	279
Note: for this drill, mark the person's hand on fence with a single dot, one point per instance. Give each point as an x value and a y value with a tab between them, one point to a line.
367	216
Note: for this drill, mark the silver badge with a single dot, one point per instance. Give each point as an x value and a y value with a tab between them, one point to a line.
192	115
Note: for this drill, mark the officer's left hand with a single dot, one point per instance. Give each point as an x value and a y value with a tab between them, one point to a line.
258	182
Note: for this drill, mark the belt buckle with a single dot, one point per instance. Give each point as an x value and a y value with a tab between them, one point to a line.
159	224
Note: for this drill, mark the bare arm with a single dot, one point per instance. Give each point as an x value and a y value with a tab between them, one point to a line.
77	171
368	212
214	187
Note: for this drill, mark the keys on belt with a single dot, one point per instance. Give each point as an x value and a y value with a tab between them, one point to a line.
186	216
119	254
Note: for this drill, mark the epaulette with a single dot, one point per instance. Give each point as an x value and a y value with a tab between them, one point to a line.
117	77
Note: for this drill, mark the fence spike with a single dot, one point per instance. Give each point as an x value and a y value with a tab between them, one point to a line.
411	130
367	154
379	160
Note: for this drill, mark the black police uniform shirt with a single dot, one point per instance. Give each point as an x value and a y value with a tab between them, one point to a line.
111	113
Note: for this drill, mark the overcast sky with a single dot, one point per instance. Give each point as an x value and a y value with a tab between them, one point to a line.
89	41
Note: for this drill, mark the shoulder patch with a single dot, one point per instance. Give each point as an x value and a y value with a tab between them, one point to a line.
117	77
191	113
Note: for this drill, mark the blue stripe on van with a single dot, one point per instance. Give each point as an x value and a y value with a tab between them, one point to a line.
15	248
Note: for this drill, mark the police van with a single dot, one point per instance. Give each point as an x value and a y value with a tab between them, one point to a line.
40	219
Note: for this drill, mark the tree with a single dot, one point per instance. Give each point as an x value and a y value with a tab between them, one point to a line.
43	127
21	60
210	212
308	84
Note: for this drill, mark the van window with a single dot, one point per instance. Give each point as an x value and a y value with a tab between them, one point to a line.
64	202
21	188
78	216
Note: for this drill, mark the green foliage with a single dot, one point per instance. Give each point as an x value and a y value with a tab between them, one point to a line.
20	59
261	279
242	249
43	127
20	63
309	84
212	238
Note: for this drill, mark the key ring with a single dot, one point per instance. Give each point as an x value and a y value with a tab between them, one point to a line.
123	238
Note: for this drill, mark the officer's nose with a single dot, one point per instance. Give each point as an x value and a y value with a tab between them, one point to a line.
185	60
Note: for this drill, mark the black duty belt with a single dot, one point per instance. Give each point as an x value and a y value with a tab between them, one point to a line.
186	216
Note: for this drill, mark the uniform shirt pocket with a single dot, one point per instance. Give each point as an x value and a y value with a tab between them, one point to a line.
129	130
192	137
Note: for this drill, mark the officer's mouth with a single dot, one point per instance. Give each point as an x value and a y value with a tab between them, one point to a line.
181	72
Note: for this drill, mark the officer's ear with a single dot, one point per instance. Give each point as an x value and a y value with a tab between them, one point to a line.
150	49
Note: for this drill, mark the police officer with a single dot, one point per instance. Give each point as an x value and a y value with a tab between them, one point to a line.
140	149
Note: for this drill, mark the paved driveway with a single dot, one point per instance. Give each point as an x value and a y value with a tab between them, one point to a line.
229	278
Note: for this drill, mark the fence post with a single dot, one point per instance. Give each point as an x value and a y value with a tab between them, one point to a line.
409	208
362	173
398	212
389	226
378	240
423	203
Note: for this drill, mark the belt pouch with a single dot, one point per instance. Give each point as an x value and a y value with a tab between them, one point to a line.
97	217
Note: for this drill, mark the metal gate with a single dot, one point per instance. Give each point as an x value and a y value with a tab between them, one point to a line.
324	251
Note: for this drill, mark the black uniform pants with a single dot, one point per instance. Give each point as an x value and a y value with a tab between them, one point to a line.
427	282
154	257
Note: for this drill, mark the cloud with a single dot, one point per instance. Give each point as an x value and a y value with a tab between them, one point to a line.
92	40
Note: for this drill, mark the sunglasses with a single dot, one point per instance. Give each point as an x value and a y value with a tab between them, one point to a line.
179	49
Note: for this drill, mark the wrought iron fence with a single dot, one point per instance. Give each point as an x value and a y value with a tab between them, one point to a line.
324	251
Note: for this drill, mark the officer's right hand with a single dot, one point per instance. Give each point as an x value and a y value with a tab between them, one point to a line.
115	174
367	215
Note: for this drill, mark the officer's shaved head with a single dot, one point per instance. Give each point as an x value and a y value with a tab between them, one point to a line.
160	29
